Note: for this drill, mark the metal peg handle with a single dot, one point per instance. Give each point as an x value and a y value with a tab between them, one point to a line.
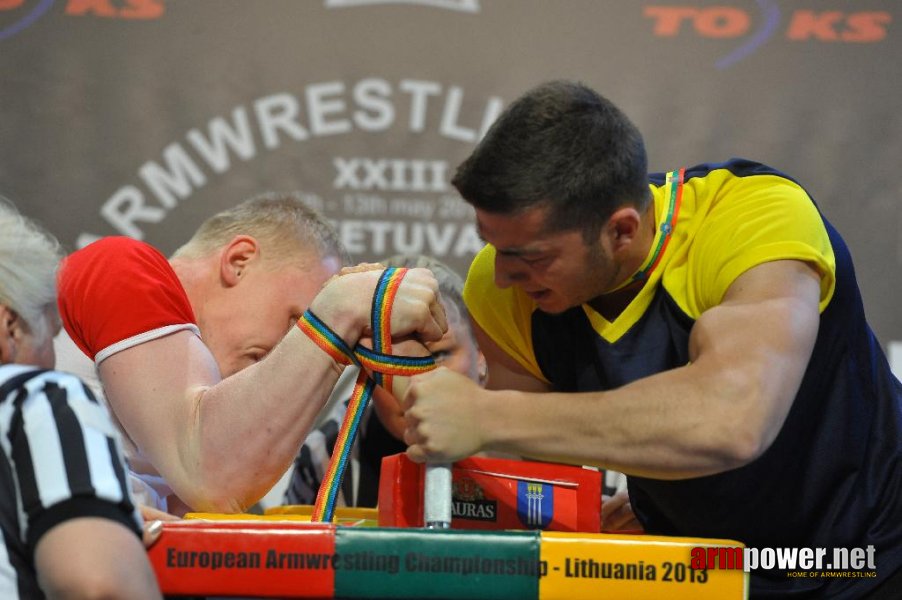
437	496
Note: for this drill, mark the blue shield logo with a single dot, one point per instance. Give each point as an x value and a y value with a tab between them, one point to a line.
535	504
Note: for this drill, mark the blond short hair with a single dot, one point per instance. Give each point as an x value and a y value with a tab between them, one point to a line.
282	220
29	260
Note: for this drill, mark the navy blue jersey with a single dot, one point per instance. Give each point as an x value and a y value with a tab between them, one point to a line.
833	476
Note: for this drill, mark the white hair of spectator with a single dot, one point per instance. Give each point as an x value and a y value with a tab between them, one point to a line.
29	259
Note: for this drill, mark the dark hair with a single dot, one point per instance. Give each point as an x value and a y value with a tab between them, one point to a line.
564	146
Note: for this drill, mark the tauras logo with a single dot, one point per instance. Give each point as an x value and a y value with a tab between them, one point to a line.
470	6
476	510
468	502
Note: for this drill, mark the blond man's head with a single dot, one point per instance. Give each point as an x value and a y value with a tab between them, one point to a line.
281	221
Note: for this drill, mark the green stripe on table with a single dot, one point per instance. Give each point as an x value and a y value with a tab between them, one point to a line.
420	563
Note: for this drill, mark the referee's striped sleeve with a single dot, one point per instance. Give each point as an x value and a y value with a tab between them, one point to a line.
63	448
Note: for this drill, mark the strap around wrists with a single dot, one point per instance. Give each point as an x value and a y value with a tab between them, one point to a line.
323	336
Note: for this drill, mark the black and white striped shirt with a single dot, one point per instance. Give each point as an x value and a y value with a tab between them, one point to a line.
61	459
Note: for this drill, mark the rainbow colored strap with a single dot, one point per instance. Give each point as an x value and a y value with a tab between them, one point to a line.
377	368
326	339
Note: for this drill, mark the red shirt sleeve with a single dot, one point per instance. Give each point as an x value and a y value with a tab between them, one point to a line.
119	292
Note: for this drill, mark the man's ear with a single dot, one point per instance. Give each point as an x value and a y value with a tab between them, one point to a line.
623	228
236	257
8	326
482	369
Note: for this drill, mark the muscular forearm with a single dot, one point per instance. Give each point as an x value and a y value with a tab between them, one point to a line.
668	426
720	411
248	427
259	417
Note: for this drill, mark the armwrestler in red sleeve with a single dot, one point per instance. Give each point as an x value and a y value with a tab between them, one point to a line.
199	355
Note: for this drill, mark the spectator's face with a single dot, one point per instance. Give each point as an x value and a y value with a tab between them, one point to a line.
262	310
556	270
457	349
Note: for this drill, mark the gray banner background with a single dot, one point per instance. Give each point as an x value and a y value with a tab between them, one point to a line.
142	117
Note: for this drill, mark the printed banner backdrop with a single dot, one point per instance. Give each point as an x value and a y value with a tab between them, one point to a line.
143	117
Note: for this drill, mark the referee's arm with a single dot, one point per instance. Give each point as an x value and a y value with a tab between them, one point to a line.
81	519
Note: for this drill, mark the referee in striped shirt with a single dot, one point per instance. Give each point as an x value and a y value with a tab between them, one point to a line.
69	525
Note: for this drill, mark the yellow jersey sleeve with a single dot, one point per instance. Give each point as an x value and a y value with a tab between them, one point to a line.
504	314
749	221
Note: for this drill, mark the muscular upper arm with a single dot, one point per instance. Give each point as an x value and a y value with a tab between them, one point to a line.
504	372
154	389
757	343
